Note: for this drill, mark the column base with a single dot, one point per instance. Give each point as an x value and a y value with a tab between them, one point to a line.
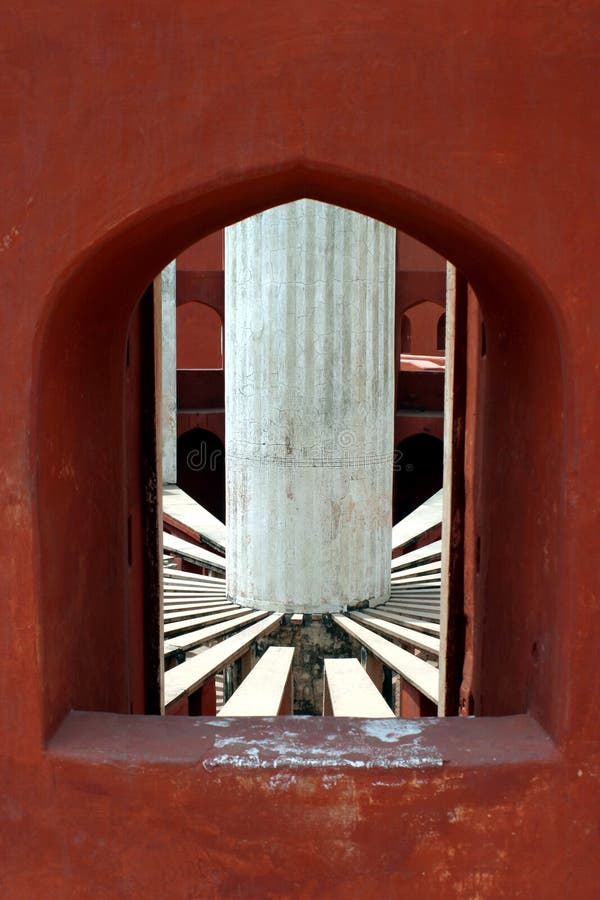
318	610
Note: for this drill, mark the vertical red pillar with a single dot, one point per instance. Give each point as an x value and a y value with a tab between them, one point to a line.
413	703
203	702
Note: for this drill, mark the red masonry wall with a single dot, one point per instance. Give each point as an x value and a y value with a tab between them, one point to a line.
130	131
199	343
203	256
424	318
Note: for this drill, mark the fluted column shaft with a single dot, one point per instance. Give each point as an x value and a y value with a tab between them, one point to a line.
309	408
168	282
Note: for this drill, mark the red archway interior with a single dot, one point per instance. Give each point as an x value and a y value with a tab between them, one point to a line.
85	654
423	318
199	337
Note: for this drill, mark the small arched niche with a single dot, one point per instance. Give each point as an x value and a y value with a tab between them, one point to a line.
423	318
199	337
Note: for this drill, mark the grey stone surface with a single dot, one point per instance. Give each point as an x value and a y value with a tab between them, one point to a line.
169	373
309	292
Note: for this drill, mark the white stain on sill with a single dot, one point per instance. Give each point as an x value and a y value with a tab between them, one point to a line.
402	740
281	782
383	731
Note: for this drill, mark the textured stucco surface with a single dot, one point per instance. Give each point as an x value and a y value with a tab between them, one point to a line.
169	372
132	130
309	293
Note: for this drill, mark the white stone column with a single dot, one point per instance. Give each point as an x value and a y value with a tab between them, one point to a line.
309	336
168	292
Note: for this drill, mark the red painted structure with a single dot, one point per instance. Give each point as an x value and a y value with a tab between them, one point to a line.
199	337
200	386
131	131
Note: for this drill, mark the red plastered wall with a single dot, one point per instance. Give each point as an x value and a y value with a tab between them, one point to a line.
130	132
199	340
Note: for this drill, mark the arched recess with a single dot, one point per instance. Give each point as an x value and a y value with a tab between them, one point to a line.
201	469
423	317
441	333
199	337
405	334
418	472
79	391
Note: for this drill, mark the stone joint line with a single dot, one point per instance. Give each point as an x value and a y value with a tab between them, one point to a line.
342	462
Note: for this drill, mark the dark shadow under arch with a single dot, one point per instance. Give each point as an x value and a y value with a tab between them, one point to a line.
441	332
405	336
418	472
201	469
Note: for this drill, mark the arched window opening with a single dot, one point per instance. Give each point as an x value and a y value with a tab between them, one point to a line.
101	687
286	335
199	337
424	317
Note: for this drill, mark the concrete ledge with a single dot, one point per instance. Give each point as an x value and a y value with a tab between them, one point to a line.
301	745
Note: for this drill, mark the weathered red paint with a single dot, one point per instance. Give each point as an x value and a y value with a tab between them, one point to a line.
205	255
132	130
199	339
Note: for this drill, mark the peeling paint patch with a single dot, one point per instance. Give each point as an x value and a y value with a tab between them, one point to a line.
281	782
7	240
457	814
388	784
330	781
403	749
383	731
